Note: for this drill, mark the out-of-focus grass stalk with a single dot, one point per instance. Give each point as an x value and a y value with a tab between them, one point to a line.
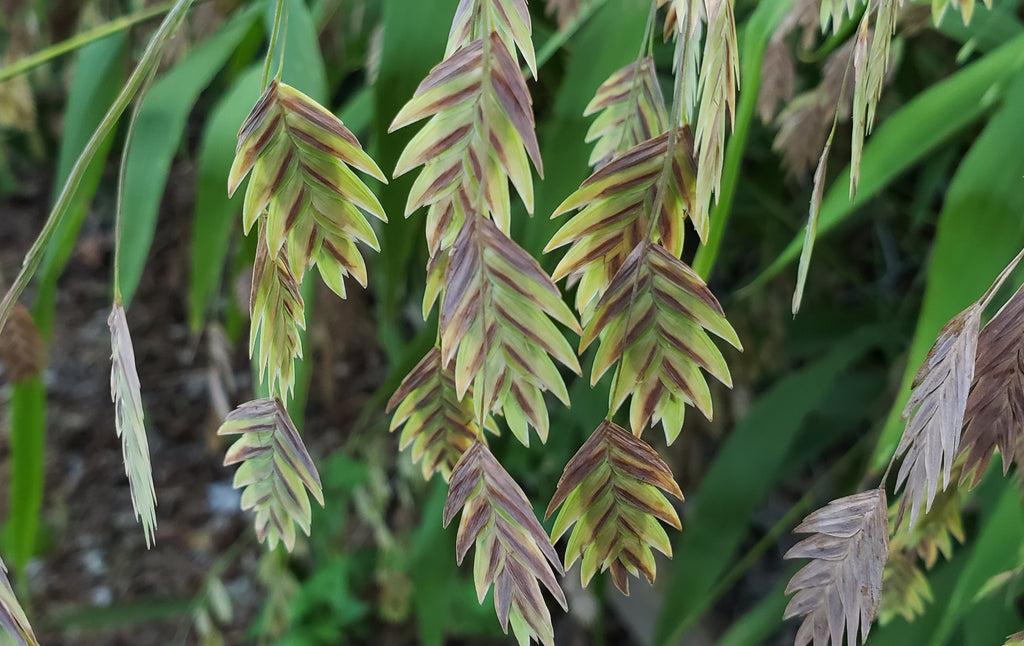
78	41
150	59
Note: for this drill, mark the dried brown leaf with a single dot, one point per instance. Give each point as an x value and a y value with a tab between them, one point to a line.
513	553
840	589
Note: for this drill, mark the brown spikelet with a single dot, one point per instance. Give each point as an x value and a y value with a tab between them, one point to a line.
654	321
512	551
275	470
1016	639
995	407
565	11
840	589
609	494
438	425
496	326
778	79
301	157
22	352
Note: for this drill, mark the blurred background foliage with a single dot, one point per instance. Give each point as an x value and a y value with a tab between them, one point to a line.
813	415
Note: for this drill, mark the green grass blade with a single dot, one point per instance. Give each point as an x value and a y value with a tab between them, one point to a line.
65	201
754	38
904	138
216	214
747	466
99	73
157	137
979	230
28	438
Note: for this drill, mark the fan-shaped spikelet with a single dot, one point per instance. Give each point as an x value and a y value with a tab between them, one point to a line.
275	469
615	205
299	155
480	136
495	324
439	425
12	617
841	587
632	110
512	551
277	312
905	589
654	320
609	491
126	394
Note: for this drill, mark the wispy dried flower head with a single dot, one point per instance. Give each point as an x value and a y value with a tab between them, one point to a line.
275	472
126	394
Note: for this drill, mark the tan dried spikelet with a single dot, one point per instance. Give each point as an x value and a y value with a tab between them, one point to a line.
1016	639
277	314
12	616
609	496
512	551
126	394
935	414
654	320
936	409
275	472
22	351
300	156
841	587
438	424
